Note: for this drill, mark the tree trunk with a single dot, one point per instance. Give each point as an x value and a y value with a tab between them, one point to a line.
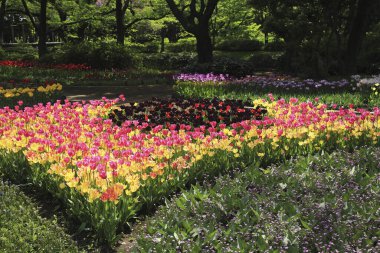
357	34
42	30
2	15
266	41
204	44
120	29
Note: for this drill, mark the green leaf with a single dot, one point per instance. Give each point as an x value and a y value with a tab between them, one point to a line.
305	225
180	204
176	236
261	243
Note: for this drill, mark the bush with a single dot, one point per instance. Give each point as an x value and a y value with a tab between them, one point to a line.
148	48
151	48
182	46
263	60
169	60
222	65
77	53
144	32
98	55
110	55
240	45
2	54
29	57
275	46
21	52
369	59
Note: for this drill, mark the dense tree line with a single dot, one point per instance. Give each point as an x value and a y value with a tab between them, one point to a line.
328	36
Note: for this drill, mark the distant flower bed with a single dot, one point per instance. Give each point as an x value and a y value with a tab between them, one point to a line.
263	81
30	64
23	95
356	90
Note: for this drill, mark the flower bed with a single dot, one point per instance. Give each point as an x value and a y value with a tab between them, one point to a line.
322	203
342	93
271	81
106	173
195	112
29	95
30	64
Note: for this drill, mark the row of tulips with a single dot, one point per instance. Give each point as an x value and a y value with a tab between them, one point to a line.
195	112
29	95
107	173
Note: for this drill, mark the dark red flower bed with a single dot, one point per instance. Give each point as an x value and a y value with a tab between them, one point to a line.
29	64
195	112
22	64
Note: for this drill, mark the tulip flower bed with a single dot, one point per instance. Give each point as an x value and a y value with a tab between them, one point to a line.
342	93
106	174
21	95
30	64
193	112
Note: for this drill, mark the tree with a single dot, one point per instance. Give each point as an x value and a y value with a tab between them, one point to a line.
42	29
195	17
360	25
3	4
121	8
321	36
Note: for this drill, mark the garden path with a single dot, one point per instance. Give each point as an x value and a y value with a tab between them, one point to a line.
131	92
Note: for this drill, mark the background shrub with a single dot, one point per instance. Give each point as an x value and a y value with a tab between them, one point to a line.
101	55
184	45
2	54
275	46
168	60
239	45
223	65
20	52
263	60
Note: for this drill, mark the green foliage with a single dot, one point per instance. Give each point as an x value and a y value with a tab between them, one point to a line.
21	52
240	45
101	55
357	97
223	65
317	33
168	61
144	32
275	46
264	60
329	201
147	48
22	229
2	53
183	45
